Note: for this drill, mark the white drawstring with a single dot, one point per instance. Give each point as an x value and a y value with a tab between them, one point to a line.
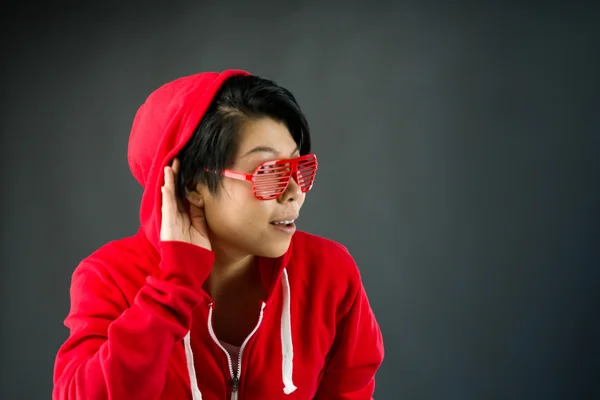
287	347
196	395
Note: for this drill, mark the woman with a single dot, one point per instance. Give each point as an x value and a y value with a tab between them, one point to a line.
218	296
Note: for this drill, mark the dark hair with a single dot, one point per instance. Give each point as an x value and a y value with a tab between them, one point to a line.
215	142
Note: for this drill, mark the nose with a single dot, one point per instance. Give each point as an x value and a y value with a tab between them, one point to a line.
292	192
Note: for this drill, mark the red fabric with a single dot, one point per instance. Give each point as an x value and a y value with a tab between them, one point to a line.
134	299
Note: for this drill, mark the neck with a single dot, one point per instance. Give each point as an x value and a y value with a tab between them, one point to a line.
227	268
230	268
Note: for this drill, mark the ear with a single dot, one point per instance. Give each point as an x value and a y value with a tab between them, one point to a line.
195	197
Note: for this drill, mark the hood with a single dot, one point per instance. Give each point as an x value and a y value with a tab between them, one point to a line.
161	128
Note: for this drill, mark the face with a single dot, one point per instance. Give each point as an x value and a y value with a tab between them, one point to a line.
241	224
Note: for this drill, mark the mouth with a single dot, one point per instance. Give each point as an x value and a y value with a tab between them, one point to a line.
286	225
283	223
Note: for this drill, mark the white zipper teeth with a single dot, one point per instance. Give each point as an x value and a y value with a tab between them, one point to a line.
214	337
260	317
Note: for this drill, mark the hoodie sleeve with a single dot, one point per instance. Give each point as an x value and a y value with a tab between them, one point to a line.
120	352
356	354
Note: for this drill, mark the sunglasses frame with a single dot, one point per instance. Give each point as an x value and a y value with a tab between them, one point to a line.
294	163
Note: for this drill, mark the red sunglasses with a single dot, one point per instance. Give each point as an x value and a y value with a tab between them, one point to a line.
270	179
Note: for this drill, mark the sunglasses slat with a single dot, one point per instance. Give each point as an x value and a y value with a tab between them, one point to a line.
267	178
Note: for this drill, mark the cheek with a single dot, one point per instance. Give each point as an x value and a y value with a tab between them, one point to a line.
243	222
236	212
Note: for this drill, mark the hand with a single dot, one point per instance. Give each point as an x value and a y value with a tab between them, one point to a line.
176	223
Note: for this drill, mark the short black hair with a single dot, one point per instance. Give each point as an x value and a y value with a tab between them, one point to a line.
215	142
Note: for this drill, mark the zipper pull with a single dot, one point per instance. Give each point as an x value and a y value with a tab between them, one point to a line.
235	384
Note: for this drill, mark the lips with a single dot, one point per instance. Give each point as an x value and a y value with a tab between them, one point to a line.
284	221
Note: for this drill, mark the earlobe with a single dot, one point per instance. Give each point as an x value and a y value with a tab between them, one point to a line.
195	197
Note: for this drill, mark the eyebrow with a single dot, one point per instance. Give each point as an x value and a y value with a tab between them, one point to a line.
266	149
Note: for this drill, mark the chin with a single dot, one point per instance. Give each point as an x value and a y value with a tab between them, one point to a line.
274	250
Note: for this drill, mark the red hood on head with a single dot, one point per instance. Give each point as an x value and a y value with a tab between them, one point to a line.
161	128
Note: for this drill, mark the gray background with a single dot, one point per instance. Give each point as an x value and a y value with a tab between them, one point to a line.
459	164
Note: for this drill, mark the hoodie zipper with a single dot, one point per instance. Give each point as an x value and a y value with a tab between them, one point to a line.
235	380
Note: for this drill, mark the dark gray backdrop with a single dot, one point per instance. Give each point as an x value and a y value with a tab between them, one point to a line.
458	151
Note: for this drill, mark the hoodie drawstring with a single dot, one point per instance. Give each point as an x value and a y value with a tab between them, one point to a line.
189	356
287	347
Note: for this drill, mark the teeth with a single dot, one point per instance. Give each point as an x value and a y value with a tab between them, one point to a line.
283	222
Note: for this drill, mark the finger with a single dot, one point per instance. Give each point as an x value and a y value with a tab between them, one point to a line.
169	218
169	179
169	205
170	185
176	166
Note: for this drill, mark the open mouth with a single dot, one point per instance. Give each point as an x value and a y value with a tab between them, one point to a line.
287	224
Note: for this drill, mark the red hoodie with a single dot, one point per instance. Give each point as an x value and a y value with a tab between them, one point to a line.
140	323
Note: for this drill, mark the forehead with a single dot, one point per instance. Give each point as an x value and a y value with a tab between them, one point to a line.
266	132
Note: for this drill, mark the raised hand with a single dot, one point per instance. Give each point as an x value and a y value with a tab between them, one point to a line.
177	223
